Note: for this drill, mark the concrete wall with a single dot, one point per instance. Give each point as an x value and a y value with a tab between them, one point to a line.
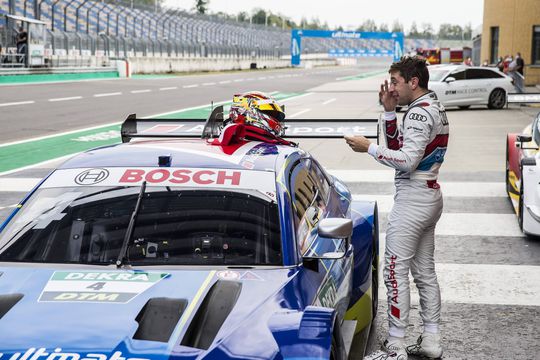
150	65
515	19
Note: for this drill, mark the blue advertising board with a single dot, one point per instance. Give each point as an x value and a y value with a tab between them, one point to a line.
396	37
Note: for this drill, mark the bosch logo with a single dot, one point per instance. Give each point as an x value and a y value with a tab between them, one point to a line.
417	117
91	176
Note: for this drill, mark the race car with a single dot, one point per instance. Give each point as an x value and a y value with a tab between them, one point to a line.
168	246
463	86
523	176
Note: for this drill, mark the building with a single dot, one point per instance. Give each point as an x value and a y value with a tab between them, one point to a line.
512	26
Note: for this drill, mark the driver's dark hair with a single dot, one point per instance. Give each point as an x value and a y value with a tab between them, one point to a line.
412	66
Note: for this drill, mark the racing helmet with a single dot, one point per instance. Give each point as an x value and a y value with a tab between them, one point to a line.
260	110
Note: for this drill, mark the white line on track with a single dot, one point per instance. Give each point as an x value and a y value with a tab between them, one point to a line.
262	78
108	94
299	113
209	83
17	103
190	86
140	91
329	101
168	88
238	80
296	97
18	184
66	98
250	79
225	82
7	207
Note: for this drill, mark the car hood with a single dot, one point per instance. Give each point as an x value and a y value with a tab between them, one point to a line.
95	314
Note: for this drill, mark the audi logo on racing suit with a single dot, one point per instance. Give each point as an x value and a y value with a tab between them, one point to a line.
91	176
418	117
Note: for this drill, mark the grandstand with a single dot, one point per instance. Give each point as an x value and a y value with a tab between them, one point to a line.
117	28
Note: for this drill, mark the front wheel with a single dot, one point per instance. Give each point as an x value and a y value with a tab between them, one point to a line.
497	99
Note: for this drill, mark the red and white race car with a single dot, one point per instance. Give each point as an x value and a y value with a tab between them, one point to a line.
523	176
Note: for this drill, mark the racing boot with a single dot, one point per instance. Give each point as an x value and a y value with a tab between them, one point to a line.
428	346
393	349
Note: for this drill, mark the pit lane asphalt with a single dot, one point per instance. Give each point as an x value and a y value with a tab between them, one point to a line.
488	271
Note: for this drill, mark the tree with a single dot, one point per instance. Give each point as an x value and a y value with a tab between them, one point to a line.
413	31
397	26
259	17
383	27
467	32
201	6
427	30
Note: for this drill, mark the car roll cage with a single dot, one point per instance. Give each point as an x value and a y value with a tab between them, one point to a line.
134	127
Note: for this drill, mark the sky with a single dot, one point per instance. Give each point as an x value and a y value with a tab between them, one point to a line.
351	13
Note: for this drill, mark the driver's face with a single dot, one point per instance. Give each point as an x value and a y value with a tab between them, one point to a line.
399	85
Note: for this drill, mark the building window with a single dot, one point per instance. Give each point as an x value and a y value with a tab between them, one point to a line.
536	46
494	51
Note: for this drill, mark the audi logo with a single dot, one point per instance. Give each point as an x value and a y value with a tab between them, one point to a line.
415	116
91	176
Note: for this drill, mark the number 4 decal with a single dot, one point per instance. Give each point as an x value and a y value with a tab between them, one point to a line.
97	286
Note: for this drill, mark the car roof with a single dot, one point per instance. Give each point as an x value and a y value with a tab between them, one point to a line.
196	153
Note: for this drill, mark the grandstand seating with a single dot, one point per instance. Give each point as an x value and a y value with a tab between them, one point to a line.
118	20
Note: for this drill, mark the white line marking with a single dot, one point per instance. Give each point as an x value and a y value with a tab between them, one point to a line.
140	91
7	207
190	86
238	80
262	78
296	97
17	103
66	98
168	88
209	83
18	184
458	189
478	225
299	113
108	94
329	101
250	79
225	82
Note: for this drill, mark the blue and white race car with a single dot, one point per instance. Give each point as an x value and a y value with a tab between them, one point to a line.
167	248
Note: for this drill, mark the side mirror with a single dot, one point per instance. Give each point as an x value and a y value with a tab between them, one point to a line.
449	79
328	230
524	138
335	228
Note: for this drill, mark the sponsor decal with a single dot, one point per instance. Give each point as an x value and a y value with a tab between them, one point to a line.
392	278
328	293
262	181
465	91
348	35
228	275
58	354
415	128
444	118
417	117
91	176
98	286
248	275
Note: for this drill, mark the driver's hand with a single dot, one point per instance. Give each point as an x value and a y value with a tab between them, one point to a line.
358	143
388	97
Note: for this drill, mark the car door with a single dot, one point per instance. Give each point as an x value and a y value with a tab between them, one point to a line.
453	91
480	83
310	194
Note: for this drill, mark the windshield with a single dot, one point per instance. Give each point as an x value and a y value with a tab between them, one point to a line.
437	75
87	225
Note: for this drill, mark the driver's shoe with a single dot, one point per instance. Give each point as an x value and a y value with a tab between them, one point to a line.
428	346
392	349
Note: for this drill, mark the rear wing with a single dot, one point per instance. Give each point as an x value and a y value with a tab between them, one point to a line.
211	128
522	98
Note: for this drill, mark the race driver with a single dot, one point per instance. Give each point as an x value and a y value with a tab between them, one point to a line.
416	150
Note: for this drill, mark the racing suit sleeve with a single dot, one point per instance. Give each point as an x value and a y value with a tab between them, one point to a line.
406	155
391	131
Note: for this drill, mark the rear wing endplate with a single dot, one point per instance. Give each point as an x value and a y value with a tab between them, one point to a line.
211	128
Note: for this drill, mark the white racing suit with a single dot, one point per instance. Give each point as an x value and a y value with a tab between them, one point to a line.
416	151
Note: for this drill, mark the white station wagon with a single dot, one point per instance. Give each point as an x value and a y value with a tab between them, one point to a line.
463	86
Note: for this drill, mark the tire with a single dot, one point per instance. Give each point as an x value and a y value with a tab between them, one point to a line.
464	107
375	269
507	170
520	206
497	99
